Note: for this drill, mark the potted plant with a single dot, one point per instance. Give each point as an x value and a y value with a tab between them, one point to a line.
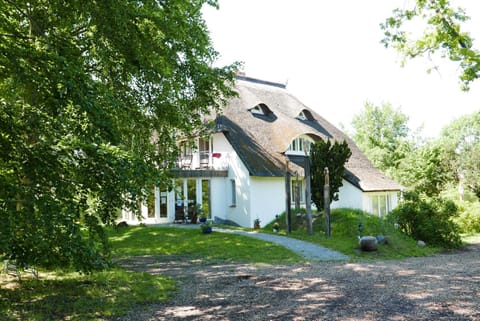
256	223
206	227
202	218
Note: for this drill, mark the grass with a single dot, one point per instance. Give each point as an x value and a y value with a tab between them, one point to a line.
71	296
344	235
191	244
109	294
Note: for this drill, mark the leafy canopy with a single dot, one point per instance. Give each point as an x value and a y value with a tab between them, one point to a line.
381	133
442	34
461	144
334	156
92	96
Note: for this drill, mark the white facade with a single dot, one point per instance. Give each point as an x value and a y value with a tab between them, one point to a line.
350	197
267	198
240	198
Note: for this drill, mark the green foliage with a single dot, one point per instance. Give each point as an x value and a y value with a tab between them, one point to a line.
190	244
92	97
344	223
79	297
468	219
333	156
427	219
442	34
461	143
425	170
381	133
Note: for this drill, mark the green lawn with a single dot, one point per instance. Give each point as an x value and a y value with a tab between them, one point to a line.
71	296
192	244
105	295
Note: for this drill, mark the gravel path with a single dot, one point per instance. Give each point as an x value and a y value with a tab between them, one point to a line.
441	287
308	250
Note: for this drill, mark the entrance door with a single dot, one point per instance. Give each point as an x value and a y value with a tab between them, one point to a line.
191	194
161	206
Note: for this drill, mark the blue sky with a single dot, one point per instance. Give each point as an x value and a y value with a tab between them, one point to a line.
330	56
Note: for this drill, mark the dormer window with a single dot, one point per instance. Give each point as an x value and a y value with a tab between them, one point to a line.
300	146
261	109
305	115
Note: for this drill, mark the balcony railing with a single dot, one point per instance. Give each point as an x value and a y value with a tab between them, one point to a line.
203	160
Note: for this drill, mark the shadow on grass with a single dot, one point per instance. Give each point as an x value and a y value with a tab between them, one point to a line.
75	297
192	244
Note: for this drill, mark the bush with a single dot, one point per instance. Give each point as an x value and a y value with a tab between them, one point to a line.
428	219
469	218
343	222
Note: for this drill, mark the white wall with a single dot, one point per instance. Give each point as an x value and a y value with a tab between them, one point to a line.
218	197
349	197
238	213
267	198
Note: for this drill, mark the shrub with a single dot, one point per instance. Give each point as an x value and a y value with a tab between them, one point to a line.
427	219
469	218
343	222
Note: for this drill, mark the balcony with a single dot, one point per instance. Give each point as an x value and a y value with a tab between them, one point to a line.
202	164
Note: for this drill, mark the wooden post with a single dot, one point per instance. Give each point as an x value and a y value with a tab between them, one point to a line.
326	201
297	192
308	197
288	199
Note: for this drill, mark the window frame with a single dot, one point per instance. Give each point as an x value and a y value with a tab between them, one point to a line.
233	193
381	204
300	145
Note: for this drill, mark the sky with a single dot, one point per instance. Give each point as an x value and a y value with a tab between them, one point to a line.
330	56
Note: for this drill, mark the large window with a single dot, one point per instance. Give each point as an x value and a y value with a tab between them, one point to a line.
206	197
381	204
299	146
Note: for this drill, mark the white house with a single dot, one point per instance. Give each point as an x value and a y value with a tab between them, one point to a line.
236	174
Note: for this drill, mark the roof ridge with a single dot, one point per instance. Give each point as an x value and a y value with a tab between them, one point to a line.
261	82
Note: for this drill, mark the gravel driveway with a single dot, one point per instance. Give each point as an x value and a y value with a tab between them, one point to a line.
441	287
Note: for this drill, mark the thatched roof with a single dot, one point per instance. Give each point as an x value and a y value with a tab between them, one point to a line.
261	140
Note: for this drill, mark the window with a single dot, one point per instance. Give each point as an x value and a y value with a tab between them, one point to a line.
305	115
233	193
297	191
204	152
261	109
381	204
151	203
206	197
299	146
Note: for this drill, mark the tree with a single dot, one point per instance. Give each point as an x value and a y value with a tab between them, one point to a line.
381	133
92	96
334	156
424	170
461	143
442	33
